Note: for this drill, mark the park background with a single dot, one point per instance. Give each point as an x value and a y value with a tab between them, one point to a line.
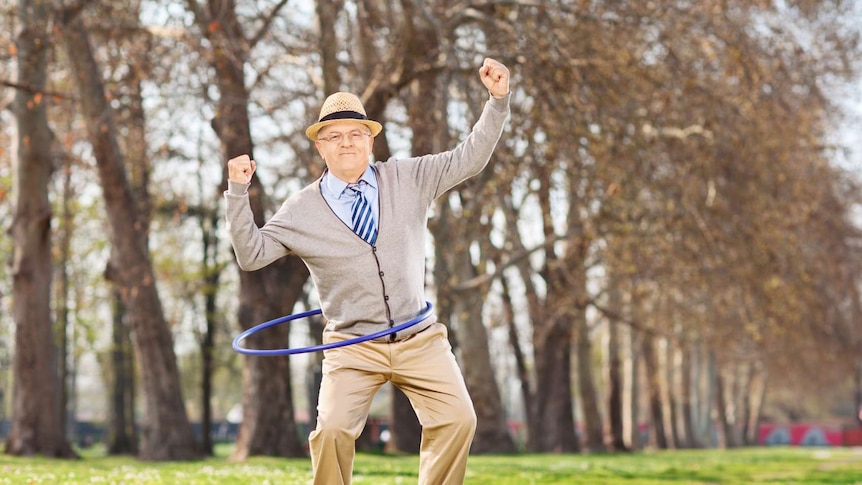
663	252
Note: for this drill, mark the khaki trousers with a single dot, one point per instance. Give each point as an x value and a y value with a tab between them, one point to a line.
424	368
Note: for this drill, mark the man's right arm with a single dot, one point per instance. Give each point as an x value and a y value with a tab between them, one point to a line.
254	248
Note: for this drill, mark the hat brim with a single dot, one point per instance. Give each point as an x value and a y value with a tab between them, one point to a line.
311	131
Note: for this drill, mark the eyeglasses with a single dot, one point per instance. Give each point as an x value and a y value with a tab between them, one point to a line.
355	136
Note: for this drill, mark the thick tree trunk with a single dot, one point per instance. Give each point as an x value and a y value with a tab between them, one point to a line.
327	12
658	436
166	431
406	431
269	424
37	422
593	428
615	386
492	434
122	437
122	432
552	423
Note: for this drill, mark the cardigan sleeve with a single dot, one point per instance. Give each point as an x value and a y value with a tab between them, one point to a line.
255	247
439	172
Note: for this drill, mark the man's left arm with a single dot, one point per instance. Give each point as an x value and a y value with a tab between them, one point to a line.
473	153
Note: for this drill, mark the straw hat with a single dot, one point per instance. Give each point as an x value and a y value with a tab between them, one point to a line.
342	107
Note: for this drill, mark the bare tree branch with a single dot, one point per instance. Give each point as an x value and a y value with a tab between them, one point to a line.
36	90
267	22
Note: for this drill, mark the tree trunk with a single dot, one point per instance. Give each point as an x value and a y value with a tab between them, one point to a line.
122	435
327	11
406	431
552	424
269	424
658	437
66	370
758	408
568	282
520	359
593	428
858	392
746	401
725	435
550	419
615	384
166	431
707	400
212	276
686	393
634	398
671	393
492	433
314	373
122	432
37	422
737	405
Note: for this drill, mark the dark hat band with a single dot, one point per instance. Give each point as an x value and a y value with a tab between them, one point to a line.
343	115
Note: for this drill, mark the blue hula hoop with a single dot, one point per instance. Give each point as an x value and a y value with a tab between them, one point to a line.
316	348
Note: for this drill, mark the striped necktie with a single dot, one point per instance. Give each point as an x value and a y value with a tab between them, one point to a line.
362	219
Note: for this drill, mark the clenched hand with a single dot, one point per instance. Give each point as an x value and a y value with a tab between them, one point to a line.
240	169
495	77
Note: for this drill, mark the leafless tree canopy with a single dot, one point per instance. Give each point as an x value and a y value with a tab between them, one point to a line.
663	235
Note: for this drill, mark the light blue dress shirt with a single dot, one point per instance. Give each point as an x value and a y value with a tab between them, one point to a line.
340	199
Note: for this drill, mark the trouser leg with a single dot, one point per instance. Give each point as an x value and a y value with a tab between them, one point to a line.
351	377
426	370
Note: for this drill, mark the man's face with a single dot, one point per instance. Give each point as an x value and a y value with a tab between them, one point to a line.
346	148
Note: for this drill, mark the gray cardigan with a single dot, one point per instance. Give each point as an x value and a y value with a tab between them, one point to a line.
365	289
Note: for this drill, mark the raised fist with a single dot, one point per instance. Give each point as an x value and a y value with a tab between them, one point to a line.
495	77
240	169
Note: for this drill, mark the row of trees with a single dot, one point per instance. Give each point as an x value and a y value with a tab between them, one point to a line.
661	235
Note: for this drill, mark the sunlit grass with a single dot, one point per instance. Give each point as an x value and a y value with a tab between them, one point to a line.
744	466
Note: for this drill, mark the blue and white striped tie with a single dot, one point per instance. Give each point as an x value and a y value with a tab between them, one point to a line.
362	218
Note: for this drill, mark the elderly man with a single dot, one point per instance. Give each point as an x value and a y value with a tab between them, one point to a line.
360	228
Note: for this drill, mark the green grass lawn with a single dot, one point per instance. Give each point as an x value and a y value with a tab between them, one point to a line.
776	465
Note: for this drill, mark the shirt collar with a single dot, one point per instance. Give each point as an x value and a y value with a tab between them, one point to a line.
337	187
